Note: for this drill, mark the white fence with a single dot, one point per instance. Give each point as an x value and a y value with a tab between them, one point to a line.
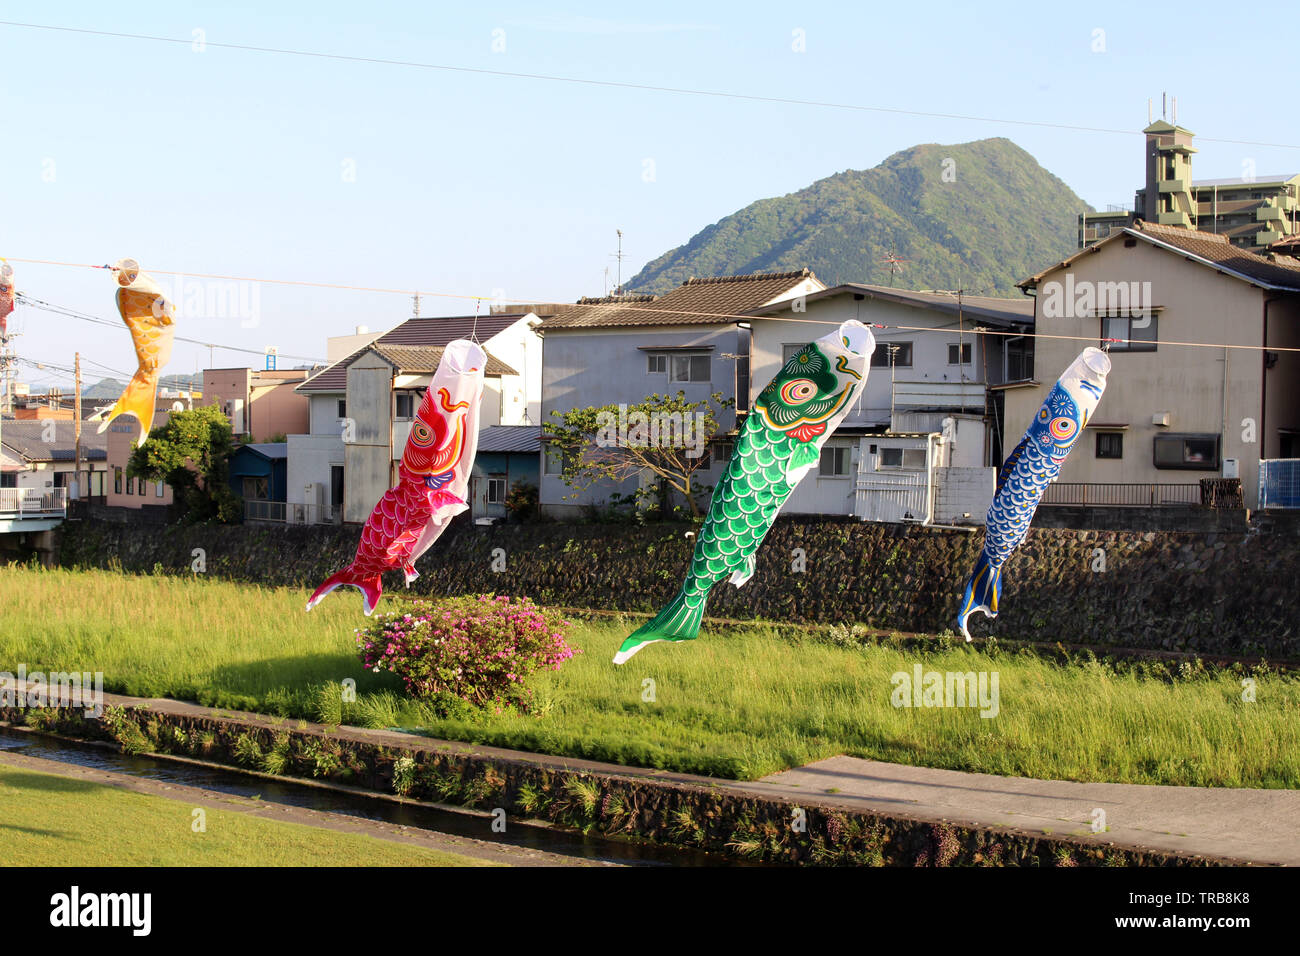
905	496
33	502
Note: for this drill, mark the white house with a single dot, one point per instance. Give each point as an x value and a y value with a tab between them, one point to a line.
320	466
924	439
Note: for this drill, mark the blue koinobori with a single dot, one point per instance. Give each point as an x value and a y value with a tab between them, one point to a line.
1028	470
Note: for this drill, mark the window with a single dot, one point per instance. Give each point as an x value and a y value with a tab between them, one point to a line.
255	489
965	348
343	408
158	489
117	481
1019	358
336	485
911	458
130	485
719	453
689	368
554	463
656	363
496	490
8	480
1141	329
790	350
405	406
1191	452
901	352
1110	444
140	488
835	462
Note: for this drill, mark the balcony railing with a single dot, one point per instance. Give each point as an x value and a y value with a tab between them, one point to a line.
1130	495
33	502
280	512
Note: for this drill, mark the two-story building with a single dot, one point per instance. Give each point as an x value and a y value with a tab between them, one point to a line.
622	349
260	403
328	478
1204	340
923	439
40	456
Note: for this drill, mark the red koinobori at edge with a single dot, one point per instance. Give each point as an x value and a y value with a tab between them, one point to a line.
433	478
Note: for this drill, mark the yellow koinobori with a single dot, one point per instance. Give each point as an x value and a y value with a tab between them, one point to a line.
150	316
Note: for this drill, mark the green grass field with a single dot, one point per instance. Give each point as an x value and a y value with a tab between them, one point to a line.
740	705
50	820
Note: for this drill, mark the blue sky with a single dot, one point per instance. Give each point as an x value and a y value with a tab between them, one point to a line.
263	165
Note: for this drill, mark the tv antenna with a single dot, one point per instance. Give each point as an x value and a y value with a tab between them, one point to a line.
895	265
618	256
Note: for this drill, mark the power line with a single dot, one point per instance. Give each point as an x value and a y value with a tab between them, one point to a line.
616	84
637	307
97	320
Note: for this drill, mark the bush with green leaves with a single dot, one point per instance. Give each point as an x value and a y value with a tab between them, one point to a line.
478	650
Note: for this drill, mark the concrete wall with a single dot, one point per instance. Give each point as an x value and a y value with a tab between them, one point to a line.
323	411
1200	305
820	494
963	495
368	458
276	409
518	397
311	459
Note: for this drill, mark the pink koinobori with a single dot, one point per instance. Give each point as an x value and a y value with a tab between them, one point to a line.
433	479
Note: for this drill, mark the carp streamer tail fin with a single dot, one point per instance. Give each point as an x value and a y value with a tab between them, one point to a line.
138	400
679	621
982	592
368	584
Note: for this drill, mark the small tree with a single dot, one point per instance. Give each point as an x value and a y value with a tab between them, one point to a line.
192	454
665	436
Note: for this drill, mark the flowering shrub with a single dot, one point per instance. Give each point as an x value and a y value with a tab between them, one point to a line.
476	649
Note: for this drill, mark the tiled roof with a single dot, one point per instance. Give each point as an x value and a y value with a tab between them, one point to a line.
423	332
424	359
27	440
711	301
1207	247
526	439
994	310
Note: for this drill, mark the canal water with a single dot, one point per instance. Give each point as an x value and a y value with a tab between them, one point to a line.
286	791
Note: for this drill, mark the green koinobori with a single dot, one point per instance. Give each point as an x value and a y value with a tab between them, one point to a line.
780	442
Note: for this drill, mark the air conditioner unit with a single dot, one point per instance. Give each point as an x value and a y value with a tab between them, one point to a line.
1162	418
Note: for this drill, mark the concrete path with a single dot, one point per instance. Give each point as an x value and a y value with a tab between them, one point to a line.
484	850
1241	826
1256	826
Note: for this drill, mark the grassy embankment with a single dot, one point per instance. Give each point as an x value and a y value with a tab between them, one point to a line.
742	705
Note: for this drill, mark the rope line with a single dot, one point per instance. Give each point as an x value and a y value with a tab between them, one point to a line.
609	307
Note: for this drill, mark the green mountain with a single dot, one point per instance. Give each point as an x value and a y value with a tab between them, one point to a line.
982	222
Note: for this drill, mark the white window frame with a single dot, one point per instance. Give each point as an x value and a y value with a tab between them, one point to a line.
840	454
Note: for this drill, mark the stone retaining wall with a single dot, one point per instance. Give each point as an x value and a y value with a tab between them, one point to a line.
1212	593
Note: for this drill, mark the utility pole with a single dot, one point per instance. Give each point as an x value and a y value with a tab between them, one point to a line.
76	430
